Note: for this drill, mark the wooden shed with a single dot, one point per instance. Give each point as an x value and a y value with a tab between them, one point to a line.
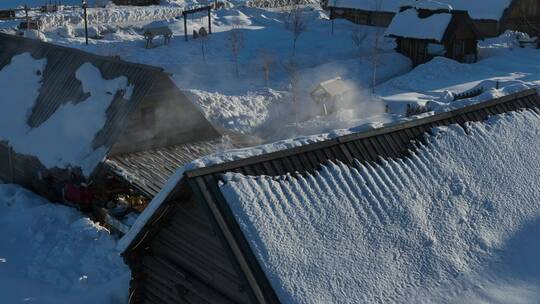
372	13
491	18
422	34
151	128
136	2
190	248
523	16
7	14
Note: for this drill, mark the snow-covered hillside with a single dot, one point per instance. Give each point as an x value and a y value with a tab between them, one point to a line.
52	254
458	222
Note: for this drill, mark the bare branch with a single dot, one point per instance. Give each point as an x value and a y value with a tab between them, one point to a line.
295	22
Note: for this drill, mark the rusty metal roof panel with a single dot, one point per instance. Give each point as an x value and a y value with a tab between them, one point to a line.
148	171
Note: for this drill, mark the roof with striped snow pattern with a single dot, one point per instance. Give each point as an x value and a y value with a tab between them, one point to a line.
371	147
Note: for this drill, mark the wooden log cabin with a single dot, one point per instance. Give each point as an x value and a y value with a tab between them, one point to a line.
374	13
136	2
523	16
422	34
491	18
7	14
190	247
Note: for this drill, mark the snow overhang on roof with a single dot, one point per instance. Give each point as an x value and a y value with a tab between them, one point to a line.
408	24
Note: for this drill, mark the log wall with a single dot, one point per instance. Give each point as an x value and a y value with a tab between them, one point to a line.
187	262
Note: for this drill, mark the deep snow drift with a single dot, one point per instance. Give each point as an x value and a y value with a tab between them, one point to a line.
458	222
53	254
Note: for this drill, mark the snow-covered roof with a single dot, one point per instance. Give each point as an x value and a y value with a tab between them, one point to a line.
65	138
370	5
478	9
334	87
67	107
409	25
395	231
234	159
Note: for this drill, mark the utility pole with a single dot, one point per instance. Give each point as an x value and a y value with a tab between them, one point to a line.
185	25
27	18
209	20
85	6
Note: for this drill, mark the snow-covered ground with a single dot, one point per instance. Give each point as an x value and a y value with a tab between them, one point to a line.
248	103
76	259
458	222
53	254
281	107
501	60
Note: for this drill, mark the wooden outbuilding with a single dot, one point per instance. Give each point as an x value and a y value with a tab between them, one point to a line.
189	247
148	133
363	12
7	14
523	16
422	34
136	2
491	18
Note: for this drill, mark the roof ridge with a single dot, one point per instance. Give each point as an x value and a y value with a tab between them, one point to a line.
112	59
393	127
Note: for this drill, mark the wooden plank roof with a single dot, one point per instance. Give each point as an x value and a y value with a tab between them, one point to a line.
393	141
60	86
148	171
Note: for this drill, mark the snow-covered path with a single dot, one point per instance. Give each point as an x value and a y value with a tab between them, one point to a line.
52	254
459	222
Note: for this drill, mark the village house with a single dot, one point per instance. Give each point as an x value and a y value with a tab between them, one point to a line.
191	245
422	34
490	18
138	126
375	13
136	2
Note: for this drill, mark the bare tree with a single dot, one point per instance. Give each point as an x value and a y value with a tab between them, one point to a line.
291	67
268	61
376	44
332	13
295	22
358	38
203	36
235	41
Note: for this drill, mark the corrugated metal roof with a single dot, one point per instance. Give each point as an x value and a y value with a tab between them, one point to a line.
60	85
148	171
394	141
